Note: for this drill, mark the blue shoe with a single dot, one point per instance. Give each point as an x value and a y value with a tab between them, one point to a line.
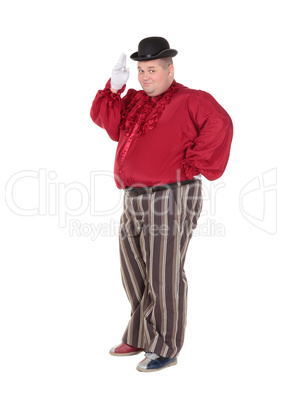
154	362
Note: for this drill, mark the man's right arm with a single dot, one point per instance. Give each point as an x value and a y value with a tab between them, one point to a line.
106	110
107	106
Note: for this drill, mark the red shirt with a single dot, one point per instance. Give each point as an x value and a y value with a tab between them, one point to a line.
171	137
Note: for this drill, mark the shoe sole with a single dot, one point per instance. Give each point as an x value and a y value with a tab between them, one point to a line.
126	354
159	369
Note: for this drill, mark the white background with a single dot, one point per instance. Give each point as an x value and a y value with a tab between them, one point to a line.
62	301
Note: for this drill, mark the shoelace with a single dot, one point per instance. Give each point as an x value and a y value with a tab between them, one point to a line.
151	356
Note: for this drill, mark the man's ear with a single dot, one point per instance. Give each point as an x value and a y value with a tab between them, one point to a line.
171	70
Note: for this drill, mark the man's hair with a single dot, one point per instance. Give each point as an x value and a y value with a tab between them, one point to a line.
165	62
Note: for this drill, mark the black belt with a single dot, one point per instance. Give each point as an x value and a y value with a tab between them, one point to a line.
134	191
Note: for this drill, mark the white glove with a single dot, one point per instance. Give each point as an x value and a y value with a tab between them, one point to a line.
120	73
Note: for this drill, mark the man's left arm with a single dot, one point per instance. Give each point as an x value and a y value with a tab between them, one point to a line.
210	152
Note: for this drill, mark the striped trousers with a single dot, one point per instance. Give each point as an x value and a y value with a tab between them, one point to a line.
155	230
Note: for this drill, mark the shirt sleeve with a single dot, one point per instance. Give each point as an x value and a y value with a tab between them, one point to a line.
107	107
210	150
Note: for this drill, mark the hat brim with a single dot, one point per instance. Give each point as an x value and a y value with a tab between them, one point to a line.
161	55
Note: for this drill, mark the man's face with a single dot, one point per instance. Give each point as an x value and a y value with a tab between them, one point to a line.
153	78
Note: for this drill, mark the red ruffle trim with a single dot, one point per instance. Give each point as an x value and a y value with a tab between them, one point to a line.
189	168
111	97
135	116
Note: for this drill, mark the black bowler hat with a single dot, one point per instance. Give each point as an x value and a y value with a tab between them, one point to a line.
153	48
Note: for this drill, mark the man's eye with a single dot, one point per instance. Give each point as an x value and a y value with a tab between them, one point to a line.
152	71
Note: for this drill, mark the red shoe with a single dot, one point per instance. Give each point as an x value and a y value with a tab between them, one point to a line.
125	350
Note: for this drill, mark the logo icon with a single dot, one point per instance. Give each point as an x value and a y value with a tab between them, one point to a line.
258	201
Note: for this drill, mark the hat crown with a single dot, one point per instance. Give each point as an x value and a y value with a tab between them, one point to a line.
152	46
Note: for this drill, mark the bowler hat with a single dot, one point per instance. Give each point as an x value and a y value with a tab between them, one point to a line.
154	47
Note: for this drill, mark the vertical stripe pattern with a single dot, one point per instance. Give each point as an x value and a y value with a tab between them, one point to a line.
155	230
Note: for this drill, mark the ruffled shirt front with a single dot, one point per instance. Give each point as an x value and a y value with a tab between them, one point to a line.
173	136
137	114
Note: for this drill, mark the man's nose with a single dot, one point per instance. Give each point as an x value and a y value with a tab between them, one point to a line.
146	75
